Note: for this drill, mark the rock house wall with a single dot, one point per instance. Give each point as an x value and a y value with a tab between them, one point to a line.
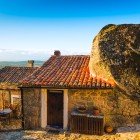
118	109
32	108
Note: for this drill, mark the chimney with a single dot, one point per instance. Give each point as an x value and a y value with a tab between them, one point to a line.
57	53
30	63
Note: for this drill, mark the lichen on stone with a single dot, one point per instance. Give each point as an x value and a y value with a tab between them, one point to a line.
115	56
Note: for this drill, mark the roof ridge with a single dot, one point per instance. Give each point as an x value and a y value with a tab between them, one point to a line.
71	55
18	67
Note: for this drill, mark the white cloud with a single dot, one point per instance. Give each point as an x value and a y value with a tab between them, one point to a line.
18	55
35	54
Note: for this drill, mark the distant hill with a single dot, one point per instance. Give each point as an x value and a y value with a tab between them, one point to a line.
18	63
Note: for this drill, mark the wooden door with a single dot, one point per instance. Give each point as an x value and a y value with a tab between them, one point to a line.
55	108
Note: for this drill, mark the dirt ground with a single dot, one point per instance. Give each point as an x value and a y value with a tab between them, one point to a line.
122	133
44	135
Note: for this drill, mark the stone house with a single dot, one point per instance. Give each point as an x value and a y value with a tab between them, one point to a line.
9	82
63	83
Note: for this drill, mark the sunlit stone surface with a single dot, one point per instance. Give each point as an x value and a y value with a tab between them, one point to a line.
115	56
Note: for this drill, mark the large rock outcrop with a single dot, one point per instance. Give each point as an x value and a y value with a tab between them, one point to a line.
115	56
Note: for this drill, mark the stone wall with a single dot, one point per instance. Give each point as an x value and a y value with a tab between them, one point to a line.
118	109
32	108
1	100
5	97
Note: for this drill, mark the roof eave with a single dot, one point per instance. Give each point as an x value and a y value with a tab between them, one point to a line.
64	87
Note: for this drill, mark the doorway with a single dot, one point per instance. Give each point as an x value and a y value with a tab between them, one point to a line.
55	108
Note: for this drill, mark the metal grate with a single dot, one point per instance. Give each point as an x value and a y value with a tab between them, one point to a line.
87	125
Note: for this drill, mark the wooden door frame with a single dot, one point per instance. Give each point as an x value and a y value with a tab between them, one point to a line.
44	107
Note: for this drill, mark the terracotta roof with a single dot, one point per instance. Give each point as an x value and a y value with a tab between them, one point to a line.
65	72
15	74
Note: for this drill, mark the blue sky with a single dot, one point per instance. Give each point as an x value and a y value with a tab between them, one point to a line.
32	29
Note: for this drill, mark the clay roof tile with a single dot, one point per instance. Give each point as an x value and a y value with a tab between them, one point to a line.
66	71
